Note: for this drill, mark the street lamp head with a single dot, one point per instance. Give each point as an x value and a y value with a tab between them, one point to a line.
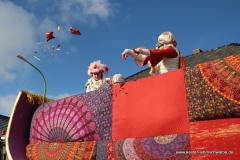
25	60
22	58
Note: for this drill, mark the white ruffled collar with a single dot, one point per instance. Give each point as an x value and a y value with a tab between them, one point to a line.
96	84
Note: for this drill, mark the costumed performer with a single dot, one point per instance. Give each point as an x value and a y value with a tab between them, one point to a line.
96	70
164	58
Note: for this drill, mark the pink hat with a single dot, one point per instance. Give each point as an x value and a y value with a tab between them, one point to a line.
96	67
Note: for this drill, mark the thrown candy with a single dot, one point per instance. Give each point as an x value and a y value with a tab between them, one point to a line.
58	47
49	36
68	52
52	47
35	51
74	31
59	28
37	58
46	47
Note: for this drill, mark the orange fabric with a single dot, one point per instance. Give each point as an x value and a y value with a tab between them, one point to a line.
215	135
64	151
182	63
153	106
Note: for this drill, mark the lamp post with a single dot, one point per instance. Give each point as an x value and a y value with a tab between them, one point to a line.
25	60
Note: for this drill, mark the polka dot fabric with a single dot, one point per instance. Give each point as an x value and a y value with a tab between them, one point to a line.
150	107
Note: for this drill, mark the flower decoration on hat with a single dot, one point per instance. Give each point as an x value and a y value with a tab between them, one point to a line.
97	67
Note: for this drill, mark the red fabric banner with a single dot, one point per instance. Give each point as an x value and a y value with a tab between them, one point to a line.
150	106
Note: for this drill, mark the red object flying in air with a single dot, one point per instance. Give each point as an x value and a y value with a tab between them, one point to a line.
49	36
74	31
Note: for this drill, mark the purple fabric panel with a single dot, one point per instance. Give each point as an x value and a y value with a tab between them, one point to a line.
101	150
80	117
19	128
101	108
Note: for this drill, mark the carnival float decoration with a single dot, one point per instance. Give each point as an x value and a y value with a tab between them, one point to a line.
193	113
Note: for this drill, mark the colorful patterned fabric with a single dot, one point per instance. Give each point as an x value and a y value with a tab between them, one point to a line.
166	116
101	150
215	139
77	118
150	107
182	63
213	90
62	151
148	148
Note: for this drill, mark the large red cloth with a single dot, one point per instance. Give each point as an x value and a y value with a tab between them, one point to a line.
150	106
215	139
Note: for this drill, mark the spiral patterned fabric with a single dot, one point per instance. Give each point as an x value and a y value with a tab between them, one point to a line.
87	128
159	147
213	90
223	75
62	151
77	118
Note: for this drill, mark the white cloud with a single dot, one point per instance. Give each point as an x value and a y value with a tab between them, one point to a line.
17	37
20	31
6	104
82	10
96	7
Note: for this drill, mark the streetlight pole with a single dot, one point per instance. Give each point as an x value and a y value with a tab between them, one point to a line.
45	86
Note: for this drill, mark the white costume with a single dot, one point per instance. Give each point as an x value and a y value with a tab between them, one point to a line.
161	60
166	64
93	85
96	67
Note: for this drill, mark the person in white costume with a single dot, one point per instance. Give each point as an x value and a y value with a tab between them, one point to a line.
164	58
96	70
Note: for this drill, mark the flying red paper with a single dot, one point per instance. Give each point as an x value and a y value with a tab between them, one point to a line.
49	36
74	31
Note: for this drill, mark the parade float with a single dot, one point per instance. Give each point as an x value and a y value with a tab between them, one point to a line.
190	113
